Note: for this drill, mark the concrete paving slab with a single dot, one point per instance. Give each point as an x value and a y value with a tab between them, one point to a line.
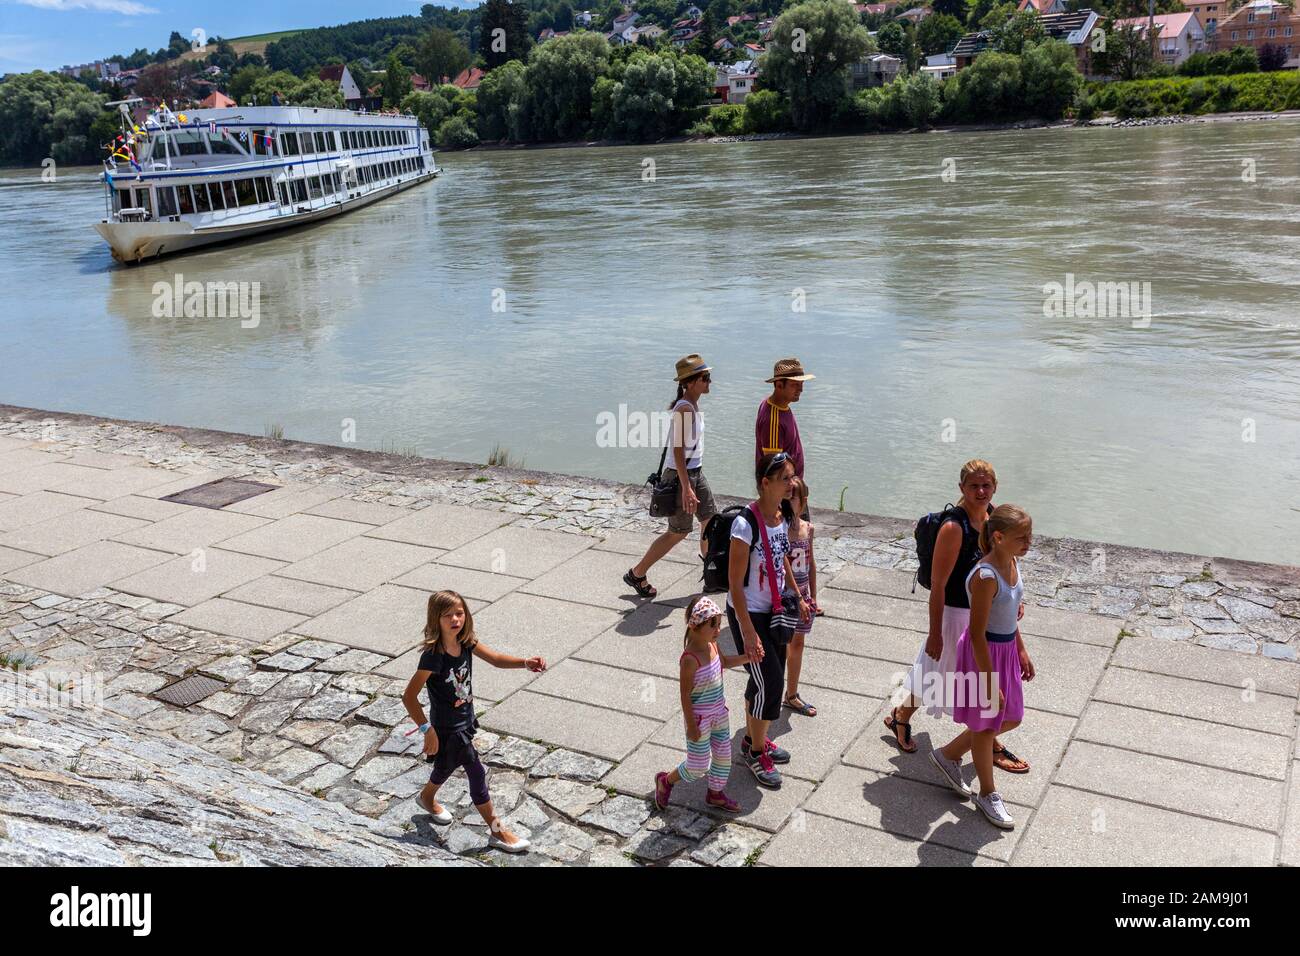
1193	698
482	585
363	512
222	616
866	640
69	531
917	810
188	581
1041	739
443	526
387	620
897	584
294	538
634	544
874	609
526	625
138	506
1182	738
9	443
287	500
105	460
814	743
289	594
764	809
21	511
576	726
519	552
854	675
1070	625
683	589
22	459
596	577
1173	784
48	477
11	559
1206	664
195	528
1074	828
826	841
1065	674
106	485
648	640
612	687
360	563
1291	832
88	568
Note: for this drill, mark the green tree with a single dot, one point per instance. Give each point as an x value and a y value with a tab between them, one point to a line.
920	99
1050	76
892	39
657	93
243	80
952	8
296	91
1128	53
397	81
441	55
456	133
987	90
502	104
1022	28
997	16
938	33
504	32
561	74
766	111
433	108
51	115
813	45
157	81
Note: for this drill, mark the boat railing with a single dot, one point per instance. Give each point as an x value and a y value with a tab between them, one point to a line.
132	214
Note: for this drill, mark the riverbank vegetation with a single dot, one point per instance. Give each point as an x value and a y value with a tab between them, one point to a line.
1166	96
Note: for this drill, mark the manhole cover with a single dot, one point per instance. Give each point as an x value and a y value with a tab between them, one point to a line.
189	690
219	493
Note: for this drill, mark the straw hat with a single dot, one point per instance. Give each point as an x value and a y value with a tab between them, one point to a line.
790	368
690	366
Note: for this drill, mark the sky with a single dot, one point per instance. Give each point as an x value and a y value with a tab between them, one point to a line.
48	34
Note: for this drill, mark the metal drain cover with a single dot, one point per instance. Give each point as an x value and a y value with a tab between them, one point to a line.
189	690
219	493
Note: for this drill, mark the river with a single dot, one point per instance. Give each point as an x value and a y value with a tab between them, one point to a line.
525	294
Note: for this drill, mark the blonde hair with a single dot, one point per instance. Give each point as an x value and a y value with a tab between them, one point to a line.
1004	518
977	466
440	602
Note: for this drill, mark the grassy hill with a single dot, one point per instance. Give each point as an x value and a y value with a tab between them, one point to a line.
249	44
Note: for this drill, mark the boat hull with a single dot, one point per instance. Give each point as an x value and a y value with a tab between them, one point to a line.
135	242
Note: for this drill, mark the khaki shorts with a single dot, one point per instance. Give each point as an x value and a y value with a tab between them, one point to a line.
681	522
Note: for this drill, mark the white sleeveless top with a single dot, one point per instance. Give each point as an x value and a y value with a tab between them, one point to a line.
1005	612
691	444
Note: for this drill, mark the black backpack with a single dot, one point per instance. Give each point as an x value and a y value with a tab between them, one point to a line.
926	534
718	557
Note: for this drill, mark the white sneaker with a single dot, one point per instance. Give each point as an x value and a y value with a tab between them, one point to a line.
995	810
950	770
519	846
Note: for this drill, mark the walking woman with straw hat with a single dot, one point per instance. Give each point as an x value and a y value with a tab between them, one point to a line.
685	445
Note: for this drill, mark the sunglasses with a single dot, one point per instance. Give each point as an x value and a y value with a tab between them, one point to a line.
779	459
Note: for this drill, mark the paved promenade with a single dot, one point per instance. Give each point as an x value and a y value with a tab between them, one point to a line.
304	604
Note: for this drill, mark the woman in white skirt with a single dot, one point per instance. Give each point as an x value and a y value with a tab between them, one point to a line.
956	550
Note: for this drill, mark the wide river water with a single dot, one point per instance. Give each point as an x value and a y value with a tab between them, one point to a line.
524	294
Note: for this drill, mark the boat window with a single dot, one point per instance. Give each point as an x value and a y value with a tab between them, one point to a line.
288	144
117	199
185	200
258	194
221	145
300	190
334	140
202	202
228	191
320	141
244	190
257	142
188	142
166	201
267	189
313	187
284	197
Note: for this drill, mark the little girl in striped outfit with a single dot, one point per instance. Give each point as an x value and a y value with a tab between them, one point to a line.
708	729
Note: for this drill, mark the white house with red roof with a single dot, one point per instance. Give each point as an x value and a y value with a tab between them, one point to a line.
1179	34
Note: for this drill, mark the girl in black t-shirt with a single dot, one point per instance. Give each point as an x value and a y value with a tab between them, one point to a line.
446	668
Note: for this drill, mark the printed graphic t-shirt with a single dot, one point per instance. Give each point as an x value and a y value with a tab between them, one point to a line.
758	593
450	684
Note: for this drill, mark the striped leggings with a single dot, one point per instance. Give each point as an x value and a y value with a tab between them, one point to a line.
715	743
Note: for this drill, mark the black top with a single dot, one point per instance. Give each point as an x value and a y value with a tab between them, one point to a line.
954	591
450	683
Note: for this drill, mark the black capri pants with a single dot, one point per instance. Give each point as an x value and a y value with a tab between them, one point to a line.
766	687
456	749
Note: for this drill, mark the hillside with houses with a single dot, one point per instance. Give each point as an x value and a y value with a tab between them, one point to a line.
520	71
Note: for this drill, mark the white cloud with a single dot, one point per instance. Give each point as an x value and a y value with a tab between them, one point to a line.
129	8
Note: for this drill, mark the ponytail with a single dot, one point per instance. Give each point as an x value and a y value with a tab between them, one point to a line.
681	391
1004	518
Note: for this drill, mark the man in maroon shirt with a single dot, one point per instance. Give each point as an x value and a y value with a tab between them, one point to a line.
776	430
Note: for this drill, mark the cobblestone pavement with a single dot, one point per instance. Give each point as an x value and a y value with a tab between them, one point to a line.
1151	741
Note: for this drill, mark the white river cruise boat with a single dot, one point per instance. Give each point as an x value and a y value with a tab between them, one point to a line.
187	179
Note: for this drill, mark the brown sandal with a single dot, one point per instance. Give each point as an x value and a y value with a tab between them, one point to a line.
893	723
641	585
1004	759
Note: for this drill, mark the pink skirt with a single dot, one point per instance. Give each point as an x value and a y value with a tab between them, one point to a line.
970	707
